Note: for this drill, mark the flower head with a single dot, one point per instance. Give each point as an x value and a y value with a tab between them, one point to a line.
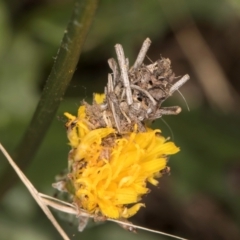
109	170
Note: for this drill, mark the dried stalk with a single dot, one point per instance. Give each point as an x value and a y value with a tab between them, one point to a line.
44	201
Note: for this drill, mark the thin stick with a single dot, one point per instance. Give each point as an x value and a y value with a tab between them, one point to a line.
115	116
59	206
174	110
53	199
124	72
178	84
146	229
34	193
142	53
45	200
72	210
113	65
127	63
145	92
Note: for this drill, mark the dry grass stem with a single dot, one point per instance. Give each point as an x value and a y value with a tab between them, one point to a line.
142	54
44	201
34	193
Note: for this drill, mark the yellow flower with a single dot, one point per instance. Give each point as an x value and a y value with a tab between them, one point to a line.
109	170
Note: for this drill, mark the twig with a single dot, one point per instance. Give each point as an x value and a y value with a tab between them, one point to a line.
110	90
44	200
124	72
178	84
147	229
113	65
170	110
34	193
142	53
145	92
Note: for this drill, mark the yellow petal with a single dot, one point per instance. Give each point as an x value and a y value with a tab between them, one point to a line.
154	165
110	171
108	209
128	212
82	112
126	196
99	98
153	181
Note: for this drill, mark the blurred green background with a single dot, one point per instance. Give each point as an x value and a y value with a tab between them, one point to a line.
201	197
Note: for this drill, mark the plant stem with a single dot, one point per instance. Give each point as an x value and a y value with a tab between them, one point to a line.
55	87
